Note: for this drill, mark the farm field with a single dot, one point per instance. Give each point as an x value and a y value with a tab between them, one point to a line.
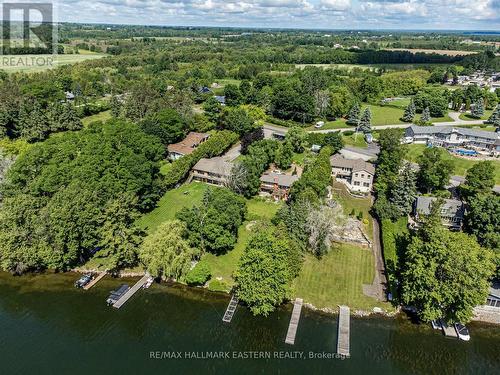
438	51
29	67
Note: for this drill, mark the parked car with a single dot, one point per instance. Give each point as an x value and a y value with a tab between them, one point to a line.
319	124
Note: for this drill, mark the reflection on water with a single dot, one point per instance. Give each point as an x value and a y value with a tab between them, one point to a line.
49	327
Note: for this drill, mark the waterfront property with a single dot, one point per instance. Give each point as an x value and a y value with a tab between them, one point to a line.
277	185
214	171
186	146
445	136
494	296
357	175
294	321
124	297
452	211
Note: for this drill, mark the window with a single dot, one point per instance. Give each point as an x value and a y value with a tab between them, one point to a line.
355	175
366	184
362	175
356	183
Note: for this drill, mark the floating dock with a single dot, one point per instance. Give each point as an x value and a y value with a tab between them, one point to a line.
294	321
123	299
449	331
231	308
95	280
343	336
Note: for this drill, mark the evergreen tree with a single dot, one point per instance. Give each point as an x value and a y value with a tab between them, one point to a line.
405	190
409	114
365	123
353	116
478	110
495	117
426	115
33	123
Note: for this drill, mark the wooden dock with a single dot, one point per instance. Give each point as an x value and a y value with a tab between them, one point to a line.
95	280
294	322
231	308
343	336
123	299
449	331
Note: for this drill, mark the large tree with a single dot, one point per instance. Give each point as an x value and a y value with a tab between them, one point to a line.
445	274
297	137
365	122
284	155
237	120
410	111
435	170
404	192
353	115
166	253
167	125
478	110
266	269
480	178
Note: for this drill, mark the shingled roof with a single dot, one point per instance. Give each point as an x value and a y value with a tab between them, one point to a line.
356	165
189	144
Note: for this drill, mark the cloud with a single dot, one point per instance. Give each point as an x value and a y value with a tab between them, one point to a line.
394	14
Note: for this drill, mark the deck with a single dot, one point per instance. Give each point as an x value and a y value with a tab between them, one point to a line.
98	278
294	322
343	347
231	309
123	299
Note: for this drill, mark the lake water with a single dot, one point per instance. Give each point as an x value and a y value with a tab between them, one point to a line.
49	327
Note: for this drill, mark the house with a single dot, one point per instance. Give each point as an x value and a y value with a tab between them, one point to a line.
446	136
452	211
356	174
493	299
221	99
214	171
278	185
186	146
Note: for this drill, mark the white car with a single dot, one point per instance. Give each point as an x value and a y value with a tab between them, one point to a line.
319	124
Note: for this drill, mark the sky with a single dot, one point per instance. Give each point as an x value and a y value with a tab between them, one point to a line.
327	14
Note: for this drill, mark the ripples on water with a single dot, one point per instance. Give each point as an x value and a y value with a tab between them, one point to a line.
49	327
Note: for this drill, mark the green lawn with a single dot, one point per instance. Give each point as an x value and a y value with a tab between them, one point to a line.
350	203
17	64
461	164
468	117
355	140
389	114
103	116
393	235
223	266
337	279
172	202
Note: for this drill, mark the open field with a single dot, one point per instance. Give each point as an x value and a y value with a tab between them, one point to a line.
461	164
355	140
103	116
337	279
438	51
172	202
27	63
223	266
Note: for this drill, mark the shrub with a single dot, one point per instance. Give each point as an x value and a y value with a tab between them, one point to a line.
348	133
199	275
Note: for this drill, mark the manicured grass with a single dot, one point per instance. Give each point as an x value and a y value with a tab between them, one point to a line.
393	237
223	266
337	279
172	202
58	60
356	141
103	116
468	117
350	203
304	158
461	164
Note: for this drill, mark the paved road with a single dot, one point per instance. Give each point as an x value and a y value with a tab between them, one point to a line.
454	115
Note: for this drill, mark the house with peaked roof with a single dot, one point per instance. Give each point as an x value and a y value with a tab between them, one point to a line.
452	211
214	171
277	185
446	136
187	145
356	174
